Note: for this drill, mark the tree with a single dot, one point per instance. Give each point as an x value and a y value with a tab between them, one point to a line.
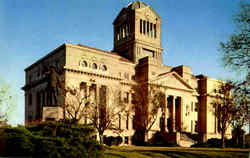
74	108
235	55
226	109
236	50
7	102
148	100
107	111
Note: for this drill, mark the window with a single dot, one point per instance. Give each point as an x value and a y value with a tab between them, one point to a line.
196	107
126	75
191	126
196	126
119	119
133	77
83	88
103	68
133	101
147	28
126	98
94	66
140	25
144	26
151	27
192	106
84	64
126	140
155	30
127	121
134	122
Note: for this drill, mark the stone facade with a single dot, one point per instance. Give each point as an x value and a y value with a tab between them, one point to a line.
136	58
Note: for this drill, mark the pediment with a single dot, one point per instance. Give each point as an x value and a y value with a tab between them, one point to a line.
150	13
172	80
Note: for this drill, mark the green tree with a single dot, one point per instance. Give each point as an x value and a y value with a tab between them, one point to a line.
7	102
149	104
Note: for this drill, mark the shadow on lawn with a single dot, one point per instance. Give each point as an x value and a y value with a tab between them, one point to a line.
113	155
179	154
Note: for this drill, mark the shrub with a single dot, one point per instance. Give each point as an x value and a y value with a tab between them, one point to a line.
161	138
52	140
18	140
112	140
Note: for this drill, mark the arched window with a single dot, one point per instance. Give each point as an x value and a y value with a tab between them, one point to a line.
104	68
94	66
84	64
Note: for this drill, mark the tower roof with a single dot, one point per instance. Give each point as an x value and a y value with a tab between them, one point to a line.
137	5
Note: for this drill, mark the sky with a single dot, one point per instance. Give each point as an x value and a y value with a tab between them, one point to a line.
191	33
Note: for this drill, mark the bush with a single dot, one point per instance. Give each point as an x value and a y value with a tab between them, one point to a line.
112	140
18	140
162	139
215	143
52	140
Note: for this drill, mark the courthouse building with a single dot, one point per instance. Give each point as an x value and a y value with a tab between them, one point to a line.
135	58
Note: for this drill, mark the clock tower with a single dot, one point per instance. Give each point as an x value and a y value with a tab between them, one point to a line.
137	33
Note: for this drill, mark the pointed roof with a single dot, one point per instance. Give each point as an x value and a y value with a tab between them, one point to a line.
134	6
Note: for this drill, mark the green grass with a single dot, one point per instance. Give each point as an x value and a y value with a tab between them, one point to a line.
174	152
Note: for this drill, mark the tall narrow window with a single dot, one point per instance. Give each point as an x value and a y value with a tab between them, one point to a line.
140	25
151	32
196	126
155	32
127	121
196	107
126	97
119	121
123	32
147	28
126	26
83	89
192	126
144	26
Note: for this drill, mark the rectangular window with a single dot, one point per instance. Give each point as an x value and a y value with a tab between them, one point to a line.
133	101
144	26
134	122
126	97
196	126
196	107
155	32
147	28
141	26
119	119
192	126
126	140
151	28
127	121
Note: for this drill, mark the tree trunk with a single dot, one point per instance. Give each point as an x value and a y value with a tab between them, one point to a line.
101	137
223	138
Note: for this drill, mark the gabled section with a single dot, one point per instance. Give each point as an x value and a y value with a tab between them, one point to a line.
122	12
172	80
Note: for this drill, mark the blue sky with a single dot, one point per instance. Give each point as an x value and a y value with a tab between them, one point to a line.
191	32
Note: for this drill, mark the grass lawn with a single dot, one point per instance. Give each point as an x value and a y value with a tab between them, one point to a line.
174	152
